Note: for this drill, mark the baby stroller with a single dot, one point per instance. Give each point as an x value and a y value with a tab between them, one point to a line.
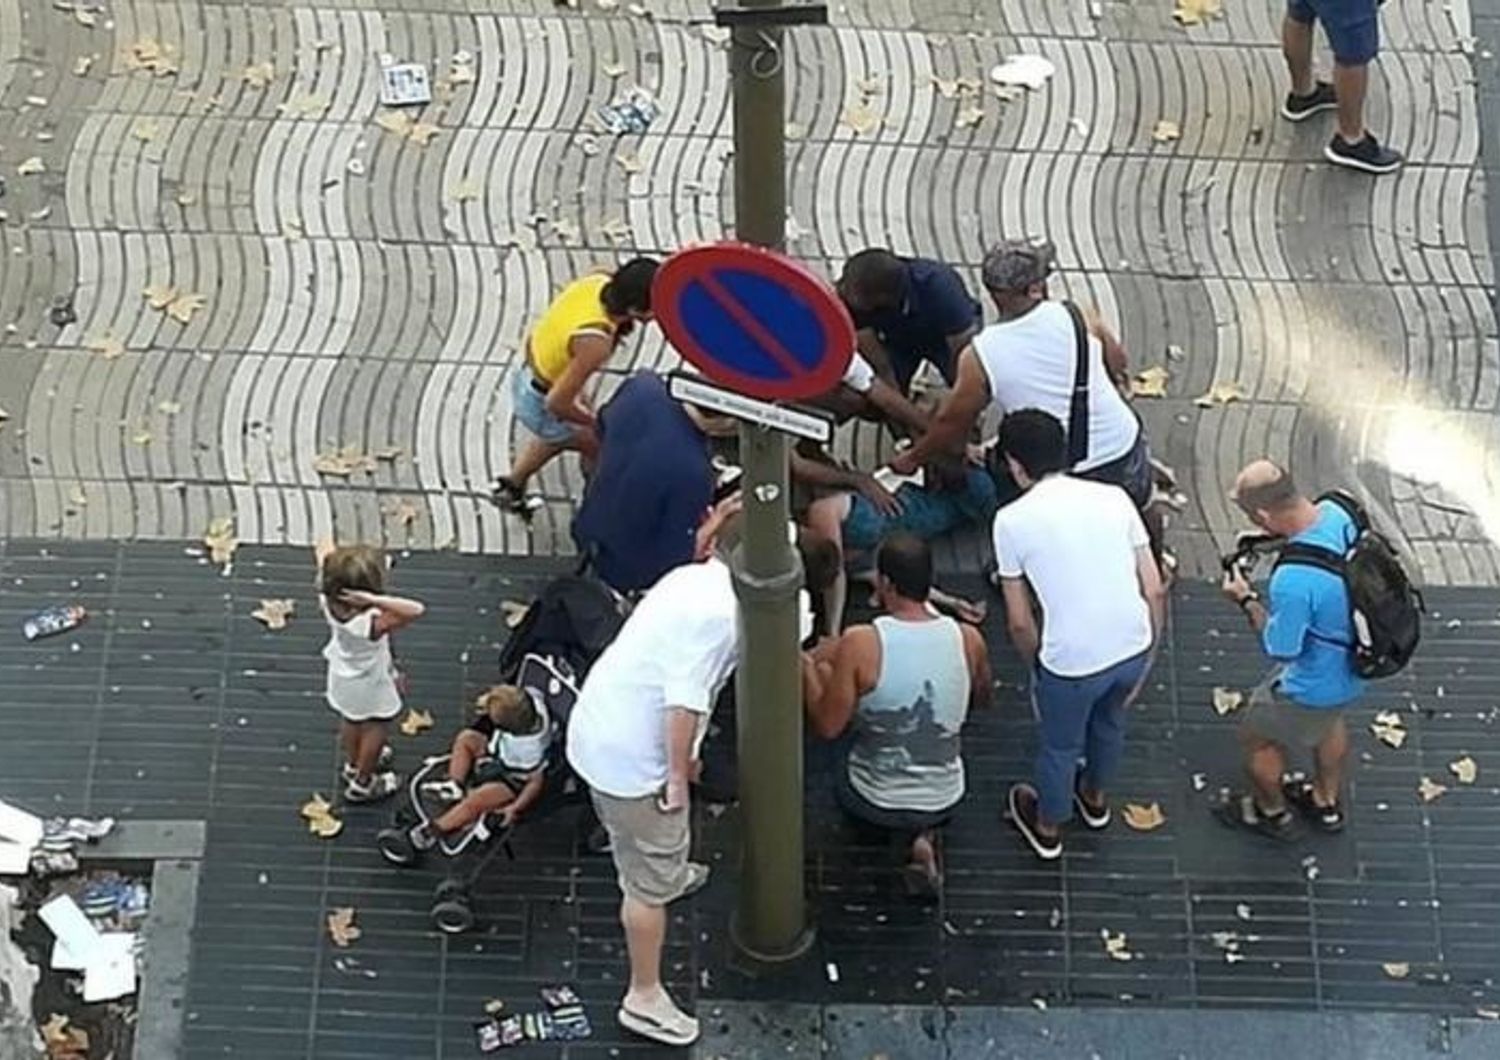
551	649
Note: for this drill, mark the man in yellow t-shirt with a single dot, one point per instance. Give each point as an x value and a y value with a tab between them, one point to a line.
569	342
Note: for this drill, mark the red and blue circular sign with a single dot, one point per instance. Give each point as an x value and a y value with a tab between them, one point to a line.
754	321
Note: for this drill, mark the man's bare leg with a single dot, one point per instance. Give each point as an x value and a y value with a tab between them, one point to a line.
1266	765
1350	84
645	932
535	455
1296	48
1329	776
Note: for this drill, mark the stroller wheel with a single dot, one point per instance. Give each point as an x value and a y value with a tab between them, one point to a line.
451	889
453	917
395	846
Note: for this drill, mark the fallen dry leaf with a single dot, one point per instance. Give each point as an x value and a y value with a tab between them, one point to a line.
77	497
1143	818
304	104
1196	12
141	437
467	189
1389	728
387	452
182	308
344	462
415	721
421	133
151	55
220	539
341	927
968	116
629	161
404	512
85	17
1116	945
159	296
616	230
169	408
274	613
513	611
31	167
1227	700
1396	969
861	118
145	129
315	807
107	346
318	813
1220	394
1150	382
82	65
1465	769
611	68
1430	789
62	1040
394	121
258	75
1166	131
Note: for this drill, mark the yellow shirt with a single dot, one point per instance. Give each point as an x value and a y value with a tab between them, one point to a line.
576	310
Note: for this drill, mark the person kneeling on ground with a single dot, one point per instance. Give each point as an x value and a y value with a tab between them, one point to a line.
903	685
502	755
952	493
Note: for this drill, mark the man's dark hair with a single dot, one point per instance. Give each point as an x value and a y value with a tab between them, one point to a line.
629	289
904	560
1035	440
876	277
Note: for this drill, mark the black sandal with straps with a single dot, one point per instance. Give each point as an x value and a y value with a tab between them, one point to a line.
1298	791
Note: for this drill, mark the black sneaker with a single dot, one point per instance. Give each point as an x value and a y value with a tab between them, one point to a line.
1300	108
512	498
1367	156
1022	801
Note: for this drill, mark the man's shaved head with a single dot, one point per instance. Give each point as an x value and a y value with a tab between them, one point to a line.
1264	486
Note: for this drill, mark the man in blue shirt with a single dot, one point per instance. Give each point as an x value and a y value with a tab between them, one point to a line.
908	310
1308	632
649	506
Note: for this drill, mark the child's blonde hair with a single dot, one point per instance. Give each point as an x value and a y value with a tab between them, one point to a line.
360	567
510	708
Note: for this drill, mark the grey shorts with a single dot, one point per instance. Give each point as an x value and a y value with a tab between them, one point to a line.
650	847
1272	717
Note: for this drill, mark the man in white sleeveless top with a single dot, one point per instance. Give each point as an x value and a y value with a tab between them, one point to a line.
902	686
1030	359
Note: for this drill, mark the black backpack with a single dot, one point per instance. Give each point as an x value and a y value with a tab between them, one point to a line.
1384	606
573	620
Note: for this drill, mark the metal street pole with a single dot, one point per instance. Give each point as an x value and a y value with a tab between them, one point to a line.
770	925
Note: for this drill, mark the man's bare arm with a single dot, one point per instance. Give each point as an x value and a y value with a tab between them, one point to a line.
955	419
1020	620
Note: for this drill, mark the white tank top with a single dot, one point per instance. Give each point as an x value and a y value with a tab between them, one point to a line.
1030	363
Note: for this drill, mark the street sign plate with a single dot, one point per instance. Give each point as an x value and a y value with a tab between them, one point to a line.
804	423
754	321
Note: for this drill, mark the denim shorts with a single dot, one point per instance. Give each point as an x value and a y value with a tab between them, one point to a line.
530	407
1353	26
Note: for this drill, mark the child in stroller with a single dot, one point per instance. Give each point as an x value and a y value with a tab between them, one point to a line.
507	762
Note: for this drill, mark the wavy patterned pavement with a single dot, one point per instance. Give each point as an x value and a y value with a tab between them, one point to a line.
366	290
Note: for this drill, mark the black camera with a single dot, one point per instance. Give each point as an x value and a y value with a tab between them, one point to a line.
1249	547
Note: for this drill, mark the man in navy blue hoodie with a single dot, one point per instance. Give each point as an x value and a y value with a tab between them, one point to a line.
649	506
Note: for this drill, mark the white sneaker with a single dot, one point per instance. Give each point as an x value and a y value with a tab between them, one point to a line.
387	756
381	786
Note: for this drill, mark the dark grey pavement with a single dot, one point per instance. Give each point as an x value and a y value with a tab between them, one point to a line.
176	704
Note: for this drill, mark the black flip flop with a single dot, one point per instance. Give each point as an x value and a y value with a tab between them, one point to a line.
1299	792
1238	810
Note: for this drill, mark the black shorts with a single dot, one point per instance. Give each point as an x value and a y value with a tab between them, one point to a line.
493	771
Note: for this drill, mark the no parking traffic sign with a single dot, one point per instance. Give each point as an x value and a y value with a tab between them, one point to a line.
753	320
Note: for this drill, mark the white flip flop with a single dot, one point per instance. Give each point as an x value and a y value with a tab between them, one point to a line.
680	1030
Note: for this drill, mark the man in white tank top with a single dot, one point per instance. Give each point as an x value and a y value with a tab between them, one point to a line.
1029	359
903	686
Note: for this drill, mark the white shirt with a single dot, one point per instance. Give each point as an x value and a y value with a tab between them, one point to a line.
676	650
527	752
1030	363
361	674
859	376
1076	543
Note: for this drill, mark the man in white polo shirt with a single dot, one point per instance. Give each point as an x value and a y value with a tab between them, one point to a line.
634	737
1079	549
1044	354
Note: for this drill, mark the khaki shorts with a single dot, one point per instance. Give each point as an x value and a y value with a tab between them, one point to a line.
650	848
1272	717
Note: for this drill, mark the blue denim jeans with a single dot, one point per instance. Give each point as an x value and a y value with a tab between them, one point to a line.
1080	717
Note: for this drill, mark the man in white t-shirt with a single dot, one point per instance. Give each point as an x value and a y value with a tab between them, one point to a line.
1079	549
1029	359
633	737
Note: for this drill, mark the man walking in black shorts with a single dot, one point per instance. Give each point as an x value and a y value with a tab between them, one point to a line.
1353	29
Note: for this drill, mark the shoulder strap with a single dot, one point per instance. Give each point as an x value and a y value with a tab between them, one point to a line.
1350	506
1306	555
1078	408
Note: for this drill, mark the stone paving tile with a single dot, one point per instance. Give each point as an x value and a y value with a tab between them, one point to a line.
384	306
178	704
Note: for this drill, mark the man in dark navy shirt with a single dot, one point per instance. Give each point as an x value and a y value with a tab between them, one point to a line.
649	504
908	310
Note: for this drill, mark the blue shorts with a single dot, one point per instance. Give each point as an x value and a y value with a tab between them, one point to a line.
530	407
1353	26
